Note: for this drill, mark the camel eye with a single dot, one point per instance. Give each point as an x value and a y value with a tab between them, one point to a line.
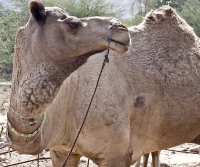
73	25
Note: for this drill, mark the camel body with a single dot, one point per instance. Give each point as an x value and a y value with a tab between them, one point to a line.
147	99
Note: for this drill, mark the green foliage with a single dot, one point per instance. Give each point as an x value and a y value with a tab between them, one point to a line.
190	12
86	8
177	4
148	6
7	35
22	13
2	11
143	7
133	21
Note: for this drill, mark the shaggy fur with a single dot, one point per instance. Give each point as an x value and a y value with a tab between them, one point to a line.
147	99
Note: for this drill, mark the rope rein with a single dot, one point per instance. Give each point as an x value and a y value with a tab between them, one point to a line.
106	60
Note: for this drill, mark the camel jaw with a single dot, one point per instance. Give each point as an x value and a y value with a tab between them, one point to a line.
118	46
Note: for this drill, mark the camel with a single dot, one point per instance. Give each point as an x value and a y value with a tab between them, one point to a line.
50	47
147	99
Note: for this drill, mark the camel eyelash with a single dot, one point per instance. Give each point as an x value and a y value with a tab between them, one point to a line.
73	25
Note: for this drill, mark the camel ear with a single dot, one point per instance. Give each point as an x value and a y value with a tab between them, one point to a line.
38	11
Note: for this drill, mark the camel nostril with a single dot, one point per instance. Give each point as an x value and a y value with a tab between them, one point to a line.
114	25
123	26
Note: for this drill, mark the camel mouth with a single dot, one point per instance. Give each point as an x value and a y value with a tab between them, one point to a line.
120	47
121	43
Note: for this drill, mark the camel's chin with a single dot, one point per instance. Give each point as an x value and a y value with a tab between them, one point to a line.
118	47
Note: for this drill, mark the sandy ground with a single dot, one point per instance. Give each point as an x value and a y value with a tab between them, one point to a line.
179	156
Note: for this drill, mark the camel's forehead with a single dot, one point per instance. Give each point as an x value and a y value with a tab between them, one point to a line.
55	11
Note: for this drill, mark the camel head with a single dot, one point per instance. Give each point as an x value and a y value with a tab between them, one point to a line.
50	47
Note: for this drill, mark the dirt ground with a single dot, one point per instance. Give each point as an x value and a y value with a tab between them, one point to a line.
179	156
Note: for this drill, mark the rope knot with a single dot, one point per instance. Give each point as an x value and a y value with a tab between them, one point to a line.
106	59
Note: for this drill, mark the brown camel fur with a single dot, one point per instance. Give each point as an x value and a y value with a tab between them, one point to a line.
147	99
144	100
48	49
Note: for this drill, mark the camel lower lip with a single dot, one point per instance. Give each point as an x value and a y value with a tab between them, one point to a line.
119	47
118	42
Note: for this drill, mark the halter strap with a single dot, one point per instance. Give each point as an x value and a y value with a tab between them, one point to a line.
29	134
21	116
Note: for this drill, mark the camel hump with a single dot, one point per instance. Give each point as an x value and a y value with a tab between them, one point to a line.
160	14
37	9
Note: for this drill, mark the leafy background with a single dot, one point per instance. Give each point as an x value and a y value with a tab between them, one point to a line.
15	13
